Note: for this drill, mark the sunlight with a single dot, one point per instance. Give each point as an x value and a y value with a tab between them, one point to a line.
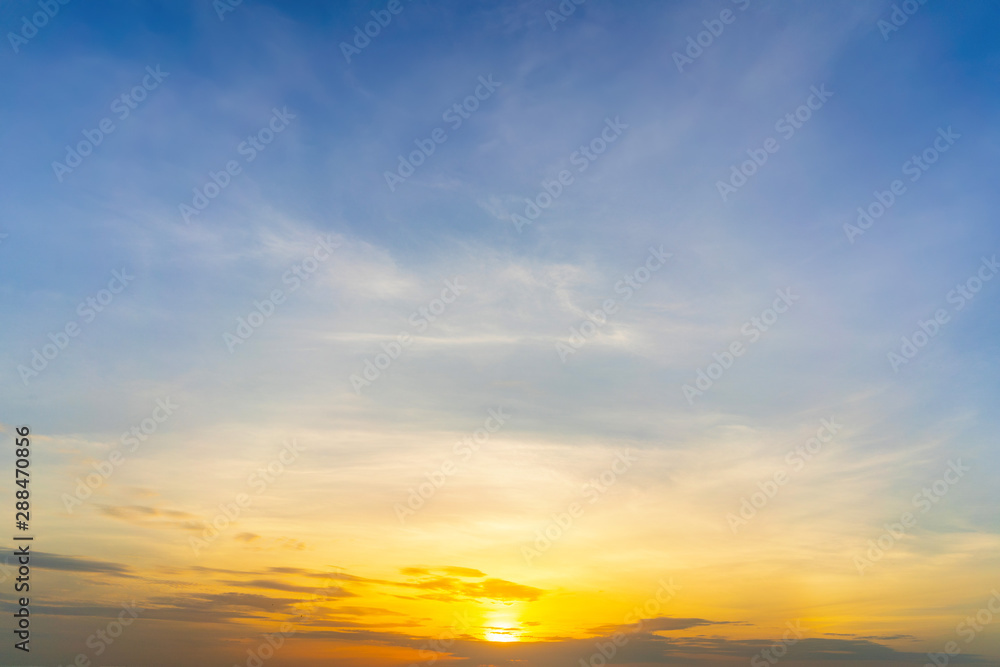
502	626
502	635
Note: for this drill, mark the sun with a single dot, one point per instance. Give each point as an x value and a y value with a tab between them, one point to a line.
502	626
502	635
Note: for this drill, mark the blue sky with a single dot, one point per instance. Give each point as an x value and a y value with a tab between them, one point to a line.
656	185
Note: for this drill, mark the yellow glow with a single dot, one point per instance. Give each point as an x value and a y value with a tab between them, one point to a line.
502	626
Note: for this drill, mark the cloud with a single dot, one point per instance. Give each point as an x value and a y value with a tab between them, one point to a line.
153	517
656	625
452	570
651	649
365	611
50	561
453	589
326	592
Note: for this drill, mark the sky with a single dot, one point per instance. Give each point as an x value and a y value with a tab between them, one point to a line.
527	333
